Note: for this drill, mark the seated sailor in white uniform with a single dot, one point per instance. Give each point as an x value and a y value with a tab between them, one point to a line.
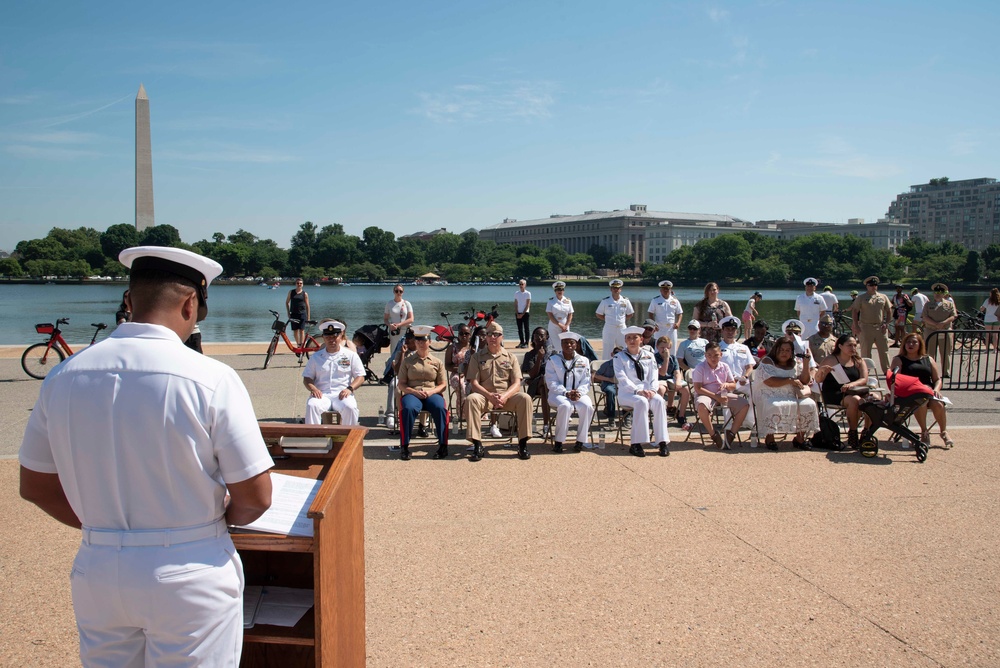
331	376
638	382
567	376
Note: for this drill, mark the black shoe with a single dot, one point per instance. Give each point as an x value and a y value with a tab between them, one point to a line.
522	451
636	450
852	439
578	447
664	450
771	444
422	431
801	445
477	451
442	452
404	454
557	447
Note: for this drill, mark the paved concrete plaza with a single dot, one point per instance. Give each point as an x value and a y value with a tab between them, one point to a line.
704	558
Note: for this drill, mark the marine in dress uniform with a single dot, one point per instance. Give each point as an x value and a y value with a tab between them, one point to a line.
422	383
559	308
636	373
137	442
494	379
665	310
331	376
567	376
614	310
872	314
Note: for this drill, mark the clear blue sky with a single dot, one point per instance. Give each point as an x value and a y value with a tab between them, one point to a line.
418	115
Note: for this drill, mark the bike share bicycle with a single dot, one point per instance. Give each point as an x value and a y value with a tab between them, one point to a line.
279	326
39	358
445	335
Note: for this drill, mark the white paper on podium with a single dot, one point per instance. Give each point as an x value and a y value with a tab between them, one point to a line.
283	606
291	497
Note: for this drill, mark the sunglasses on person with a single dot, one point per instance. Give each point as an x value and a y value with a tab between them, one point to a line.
398	292
494	335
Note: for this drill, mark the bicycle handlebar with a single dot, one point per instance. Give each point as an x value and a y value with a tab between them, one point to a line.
274	313
62	321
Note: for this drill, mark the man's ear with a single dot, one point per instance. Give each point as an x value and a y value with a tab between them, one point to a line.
189	307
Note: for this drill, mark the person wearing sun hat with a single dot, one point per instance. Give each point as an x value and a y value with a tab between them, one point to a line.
567	376
810	307
138	441
559	311
615	310
332	375
421	386
872	313
666	311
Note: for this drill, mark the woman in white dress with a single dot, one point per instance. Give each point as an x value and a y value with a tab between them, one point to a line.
782	396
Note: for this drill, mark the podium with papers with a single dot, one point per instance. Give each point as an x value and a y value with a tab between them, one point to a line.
319	547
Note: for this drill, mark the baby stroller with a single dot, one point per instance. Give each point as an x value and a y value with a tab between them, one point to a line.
371	339
907	394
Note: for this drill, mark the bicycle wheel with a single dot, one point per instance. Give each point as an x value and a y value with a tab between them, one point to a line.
270	351
440	345
310	345
38	360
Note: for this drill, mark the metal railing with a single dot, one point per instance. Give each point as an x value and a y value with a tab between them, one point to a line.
968	358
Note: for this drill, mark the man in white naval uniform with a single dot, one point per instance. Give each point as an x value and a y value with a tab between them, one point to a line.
738	358
331	376
615	311
638	382
810	307
666	311
138	441
567	376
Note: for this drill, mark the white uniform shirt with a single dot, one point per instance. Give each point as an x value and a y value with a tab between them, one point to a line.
625	373
560	309
144	432
919	302
666	312
333	372
521	300
615	312
562	376
737	357
809	309
831	301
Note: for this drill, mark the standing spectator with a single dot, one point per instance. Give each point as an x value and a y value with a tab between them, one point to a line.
938	317
559	310
298	310
919	300
809	307
522	309
665	310
124	313
901	306
638	382
615	311
398	315
832	303
872	314
991	318
750	311
691	351
710	311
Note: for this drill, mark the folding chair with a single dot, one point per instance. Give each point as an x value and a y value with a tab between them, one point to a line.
877	386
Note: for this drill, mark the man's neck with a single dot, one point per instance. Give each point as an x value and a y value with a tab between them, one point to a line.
333	347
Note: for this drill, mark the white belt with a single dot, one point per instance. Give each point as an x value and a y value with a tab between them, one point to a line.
162	537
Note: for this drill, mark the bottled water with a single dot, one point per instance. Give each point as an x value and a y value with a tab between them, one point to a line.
601	440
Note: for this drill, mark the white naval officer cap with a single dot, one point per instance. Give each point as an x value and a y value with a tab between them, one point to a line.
331	326
422	331
730	319
559	285
810	280
792	322
198	269
665	284
616	283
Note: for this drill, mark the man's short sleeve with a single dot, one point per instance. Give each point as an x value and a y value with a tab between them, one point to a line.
236	437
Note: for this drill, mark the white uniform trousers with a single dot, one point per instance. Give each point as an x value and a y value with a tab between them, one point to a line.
611	336
640	417
180	605
348	408
554	345
564	409
667	330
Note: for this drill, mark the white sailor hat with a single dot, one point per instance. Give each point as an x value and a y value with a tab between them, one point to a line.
665	284
421	331
792	322
569	335
633	330
616	283
559	285
331	326
810	280
198	269
730	319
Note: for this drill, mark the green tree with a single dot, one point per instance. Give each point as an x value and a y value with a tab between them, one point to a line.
243	237
991	256
232	257
160	235
600	254
442	248
117	238
379	247
10	267
532	266
621	262
726	257
468	248
557	256
974	268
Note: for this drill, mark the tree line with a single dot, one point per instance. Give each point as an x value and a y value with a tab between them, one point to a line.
316	253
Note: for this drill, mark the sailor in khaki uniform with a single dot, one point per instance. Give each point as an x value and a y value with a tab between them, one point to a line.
567	376
138	441
872	314
494	378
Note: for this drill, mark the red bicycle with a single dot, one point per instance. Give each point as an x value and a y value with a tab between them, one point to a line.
279	327
445	335
39	358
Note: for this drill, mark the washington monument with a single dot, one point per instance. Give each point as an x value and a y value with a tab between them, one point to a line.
143	164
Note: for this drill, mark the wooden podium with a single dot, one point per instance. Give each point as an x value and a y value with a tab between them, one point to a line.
331	562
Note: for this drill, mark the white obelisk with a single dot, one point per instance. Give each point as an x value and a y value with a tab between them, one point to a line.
143	164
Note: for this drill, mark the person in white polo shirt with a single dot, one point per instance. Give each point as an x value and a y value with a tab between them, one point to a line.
665	310
151	449
615	310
